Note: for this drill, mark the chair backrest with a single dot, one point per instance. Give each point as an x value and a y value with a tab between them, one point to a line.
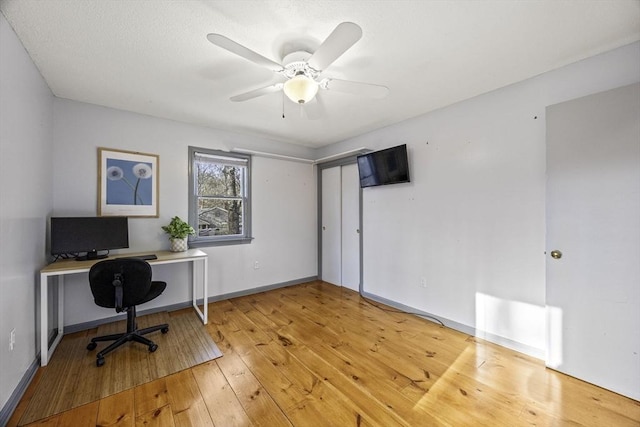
133	274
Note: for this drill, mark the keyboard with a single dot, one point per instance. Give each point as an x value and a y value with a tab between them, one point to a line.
148	257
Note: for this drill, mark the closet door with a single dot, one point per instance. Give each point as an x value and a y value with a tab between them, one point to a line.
350	227
340	231
331	225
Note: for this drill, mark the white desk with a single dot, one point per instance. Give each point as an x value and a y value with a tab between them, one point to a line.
61	268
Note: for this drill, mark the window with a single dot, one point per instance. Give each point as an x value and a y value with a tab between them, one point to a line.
219	197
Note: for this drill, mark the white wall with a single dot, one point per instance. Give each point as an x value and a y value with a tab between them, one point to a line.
26	123
471	222
283	202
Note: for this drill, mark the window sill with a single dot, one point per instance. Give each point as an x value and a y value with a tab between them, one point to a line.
219	242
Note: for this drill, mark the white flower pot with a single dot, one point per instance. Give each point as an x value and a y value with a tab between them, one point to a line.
178	245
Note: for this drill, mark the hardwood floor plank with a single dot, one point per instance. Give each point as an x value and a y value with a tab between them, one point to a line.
282	357
354	411
160	417
390	354
367	407
150	396
576	402
223	405
277	384
303	397
117	410
258	405
291	385
186	402
265	344
82	416
358	332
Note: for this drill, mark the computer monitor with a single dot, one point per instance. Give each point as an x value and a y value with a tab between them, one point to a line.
84	237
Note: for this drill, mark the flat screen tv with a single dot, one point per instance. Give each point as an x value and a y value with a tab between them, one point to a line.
389	166
85	237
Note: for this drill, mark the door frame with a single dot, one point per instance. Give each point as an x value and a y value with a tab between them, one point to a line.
326	165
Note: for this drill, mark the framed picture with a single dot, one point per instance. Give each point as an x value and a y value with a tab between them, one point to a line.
127	183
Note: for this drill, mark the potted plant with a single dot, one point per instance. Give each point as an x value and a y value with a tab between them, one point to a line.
178	231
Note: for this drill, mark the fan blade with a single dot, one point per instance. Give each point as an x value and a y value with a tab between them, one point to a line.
342	38
356	88
257	92
246	53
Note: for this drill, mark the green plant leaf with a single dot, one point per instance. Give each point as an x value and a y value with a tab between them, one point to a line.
178	229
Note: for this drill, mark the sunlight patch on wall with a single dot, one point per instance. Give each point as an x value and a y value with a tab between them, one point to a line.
517	321
554	337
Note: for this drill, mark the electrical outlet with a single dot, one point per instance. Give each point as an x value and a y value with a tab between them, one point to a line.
12	339
256	265
423	282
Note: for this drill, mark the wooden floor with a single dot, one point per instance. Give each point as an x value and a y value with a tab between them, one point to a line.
72	371
320	355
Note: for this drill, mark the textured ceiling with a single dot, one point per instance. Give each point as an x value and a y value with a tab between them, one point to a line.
153	57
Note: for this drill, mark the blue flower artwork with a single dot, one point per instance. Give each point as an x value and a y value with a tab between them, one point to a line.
129	182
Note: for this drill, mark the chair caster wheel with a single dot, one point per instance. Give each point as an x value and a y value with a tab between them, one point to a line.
91	346
164	330
99	361
153	348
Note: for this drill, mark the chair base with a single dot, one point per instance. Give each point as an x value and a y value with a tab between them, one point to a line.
132	334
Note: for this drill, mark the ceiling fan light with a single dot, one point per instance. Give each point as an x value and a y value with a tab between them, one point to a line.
300	89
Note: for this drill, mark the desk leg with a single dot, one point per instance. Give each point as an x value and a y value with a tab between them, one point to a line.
205	284
203	314
44	317
60	313
45	351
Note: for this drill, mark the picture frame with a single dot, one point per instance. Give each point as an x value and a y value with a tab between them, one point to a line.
127	183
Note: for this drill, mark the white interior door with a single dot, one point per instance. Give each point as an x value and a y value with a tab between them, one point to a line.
350	260
331	225
593	219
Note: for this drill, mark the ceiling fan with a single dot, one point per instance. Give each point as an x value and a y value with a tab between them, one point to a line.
303	69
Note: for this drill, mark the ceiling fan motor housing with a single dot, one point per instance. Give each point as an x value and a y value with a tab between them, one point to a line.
296	63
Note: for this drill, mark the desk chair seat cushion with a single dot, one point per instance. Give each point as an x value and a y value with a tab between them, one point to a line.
137	285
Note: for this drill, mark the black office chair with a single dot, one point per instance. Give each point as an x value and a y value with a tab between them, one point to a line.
123	284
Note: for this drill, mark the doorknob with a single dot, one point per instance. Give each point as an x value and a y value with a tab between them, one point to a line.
324	228
556	254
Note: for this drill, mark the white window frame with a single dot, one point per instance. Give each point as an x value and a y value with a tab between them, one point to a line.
200	241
